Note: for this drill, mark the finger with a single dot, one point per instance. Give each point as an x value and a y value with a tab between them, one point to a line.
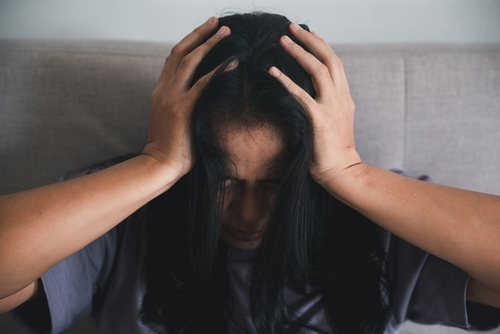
316	34
190	62
198	87
193	39
188	44
319	72
300	95
321	50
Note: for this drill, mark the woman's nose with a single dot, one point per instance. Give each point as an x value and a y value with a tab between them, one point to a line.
252	206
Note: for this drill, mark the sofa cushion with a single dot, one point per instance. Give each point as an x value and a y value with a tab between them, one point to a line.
65	105
453	118
431	109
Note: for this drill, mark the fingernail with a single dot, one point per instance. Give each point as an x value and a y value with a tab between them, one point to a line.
274	72
232	65
210	20
222	31
287	39
296	26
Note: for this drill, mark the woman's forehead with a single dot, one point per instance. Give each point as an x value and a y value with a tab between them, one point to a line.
254	150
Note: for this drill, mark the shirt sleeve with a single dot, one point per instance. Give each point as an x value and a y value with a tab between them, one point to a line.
427	289
431	291
74	284
71	285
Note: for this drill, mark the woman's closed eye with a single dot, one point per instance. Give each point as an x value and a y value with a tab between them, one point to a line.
229	181
271	183
266	183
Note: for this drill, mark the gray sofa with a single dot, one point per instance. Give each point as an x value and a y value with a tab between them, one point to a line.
426	109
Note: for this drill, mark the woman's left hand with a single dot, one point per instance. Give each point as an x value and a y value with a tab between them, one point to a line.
331	111
456	225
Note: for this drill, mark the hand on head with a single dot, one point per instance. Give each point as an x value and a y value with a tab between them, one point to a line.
331	111
173	100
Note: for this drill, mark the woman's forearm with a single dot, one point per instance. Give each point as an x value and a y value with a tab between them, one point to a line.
459	226
42	226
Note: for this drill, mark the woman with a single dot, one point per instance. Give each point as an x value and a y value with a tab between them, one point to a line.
251	164
250	185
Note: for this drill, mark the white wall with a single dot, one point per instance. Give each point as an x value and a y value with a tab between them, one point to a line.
338	21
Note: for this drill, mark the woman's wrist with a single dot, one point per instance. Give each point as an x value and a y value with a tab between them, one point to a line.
347	183
326	177
162	174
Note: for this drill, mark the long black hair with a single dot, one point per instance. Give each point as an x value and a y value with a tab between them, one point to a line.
311	241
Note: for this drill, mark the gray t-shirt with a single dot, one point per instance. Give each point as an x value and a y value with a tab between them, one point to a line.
105	279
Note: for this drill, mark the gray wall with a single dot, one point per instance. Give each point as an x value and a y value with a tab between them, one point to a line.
339	21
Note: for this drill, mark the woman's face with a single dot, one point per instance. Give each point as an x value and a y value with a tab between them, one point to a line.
251	186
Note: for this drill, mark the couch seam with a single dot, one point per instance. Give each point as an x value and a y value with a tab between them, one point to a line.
405	111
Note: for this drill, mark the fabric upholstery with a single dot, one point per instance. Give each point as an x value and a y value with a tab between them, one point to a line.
425	109
64	106
453	123
430	109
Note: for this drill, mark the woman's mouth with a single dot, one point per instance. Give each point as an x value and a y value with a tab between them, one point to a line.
245	236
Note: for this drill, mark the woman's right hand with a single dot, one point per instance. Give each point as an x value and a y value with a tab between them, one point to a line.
42	226
173	100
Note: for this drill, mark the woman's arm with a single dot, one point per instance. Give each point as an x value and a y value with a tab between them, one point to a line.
459	226
33	290
42	226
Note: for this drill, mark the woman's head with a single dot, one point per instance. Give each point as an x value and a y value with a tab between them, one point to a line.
250	186
248	128
247	105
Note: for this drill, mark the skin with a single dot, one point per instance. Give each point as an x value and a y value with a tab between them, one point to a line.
251	187
40	227
459	226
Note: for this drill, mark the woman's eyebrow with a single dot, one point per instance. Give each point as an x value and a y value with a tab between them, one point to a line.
232	178
276	172
275	175
276	179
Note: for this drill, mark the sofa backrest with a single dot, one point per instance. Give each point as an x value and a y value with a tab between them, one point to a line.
426	109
